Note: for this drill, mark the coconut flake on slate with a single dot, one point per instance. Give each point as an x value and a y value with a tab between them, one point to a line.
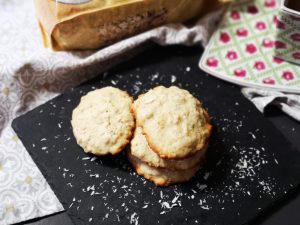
245	167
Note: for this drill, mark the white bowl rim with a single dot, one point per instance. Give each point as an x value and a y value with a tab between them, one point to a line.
287	10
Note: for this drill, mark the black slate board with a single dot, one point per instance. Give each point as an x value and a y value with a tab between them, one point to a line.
250	166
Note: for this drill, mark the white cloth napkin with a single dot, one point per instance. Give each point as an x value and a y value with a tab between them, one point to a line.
288	103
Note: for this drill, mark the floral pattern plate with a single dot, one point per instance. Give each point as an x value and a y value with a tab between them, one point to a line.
242	50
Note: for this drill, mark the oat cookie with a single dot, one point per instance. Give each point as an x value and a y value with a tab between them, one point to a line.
173	121
141	150
103	122
159	176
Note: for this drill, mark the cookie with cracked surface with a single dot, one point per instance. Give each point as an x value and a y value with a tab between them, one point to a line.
103	122
173	122
140	149
160	176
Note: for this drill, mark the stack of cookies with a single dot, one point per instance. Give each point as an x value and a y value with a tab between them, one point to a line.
171	136
168	129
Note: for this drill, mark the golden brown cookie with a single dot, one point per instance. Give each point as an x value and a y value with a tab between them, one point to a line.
160	176
173	122
103	122
141	150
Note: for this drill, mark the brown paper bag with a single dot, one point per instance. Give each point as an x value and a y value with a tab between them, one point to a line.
92	24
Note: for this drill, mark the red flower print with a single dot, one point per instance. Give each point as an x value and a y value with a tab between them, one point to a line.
252	9
224	37
296	55
269	81
295	37
270	3
240	72
251	48
280	44
232	55
288	75
235	15
278	23
277	60
259	65
242	32
212	62
268	43
261	26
